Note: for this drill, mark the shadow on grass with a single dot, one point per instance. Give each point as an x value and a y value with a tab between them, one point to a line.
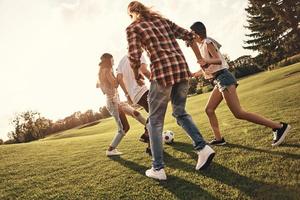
252	188
64	135
284	154
181	188
90	124
290	145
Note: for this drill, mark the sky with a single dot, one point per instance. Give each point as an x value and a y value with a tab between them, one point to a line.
50	49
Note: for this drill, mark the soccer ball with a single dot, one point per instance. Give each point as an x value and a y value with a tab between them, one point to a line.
168	137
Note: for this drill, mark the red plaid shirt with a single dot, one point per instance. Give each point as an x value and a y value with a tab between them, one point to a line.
158	37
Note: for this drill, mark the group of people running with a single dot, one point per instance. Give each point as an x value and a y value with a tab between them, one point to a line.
168	76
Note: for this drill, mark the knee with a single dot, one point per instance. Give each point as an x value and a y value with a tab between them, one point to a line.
178	112
239	114
209	111
178	116
126	128
136	113
155	122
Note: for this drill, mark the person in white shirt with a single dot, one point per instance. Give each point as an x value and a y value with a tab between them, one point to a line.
108	83
135	93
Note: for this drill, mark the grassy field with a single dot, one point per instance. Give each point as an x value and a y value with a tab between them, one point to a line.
73	165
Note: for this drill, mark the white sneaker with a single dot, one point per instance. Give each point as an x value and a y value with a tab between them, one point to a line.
156	174
205	157
113	152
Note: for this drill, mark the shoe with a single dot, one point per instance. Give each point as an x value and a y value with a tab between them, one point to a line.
148	151
113	152
218	142
279	134
205	157
156	174
144	138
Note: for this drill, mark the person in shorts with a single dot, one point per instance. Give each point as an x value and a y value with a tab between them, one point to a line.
215	68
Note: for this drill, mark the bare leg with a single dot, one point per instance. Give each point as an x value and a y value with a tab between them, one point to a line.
213	102
233	103
139	117
128	110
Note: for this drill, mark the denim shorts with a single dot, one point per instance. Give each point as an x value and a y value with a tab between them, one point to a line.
223	79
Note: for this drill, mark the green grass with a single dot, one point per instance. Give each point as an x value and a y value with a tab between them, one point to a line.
73	165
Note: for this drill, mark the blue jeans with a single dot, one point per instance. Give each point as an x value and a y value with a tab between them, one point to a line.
113	108
158	98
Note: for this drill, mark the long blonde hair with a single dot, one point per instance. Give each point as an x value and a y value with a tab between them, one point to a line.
102	77
144	11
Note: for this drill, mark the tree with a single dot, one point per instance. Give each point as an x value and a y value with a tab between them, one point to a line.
1	141
29	126
193	86
274	29
104	112
245	65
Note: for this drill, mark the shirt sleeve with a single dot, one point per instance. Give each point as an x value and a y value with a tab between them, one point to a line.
181	33
143	60
120	68
134	47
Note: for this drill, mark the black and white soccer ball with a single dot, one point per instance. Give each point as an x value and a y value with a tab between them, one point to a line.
168	137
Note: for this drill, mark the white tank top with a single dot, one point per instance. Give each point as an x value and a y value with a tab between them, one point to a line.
208	72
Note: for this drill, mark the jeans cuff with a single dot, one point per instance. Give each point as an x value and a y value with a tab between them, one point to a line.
158	167
200	146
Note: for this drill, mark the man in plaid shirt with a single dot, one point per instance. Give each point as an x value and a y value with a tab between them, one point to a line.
169	79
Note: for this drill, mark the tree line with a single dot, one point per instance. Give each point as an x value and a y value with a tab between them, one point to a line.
30	125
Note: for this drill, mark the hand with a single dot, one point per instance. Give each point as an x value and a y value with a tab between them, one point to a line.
140	82
197	74
129	99
203	63
138	77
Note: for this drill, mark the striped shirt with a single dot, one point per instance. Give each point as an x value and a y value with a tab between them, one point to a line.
158	37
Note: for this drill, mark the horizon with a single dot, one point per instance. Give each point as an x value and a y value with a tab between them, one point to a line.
50	49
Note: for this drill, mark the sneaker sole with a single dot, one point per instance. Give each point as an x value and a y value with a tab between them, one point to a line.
220	144
149	152
208	161
144	141
160	179
288	128
113	155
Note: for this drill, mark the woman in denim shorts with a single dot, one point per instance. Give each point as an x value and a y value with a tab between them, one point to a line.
215	68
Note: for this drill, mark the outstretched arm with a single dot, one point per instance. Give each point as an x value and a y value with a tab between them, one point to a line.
187	36
121	82
196	50
145	71
134	51
181	33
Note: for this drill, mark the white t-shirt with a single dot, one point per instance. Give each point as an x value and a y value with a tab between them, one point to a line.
134	90
208	72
